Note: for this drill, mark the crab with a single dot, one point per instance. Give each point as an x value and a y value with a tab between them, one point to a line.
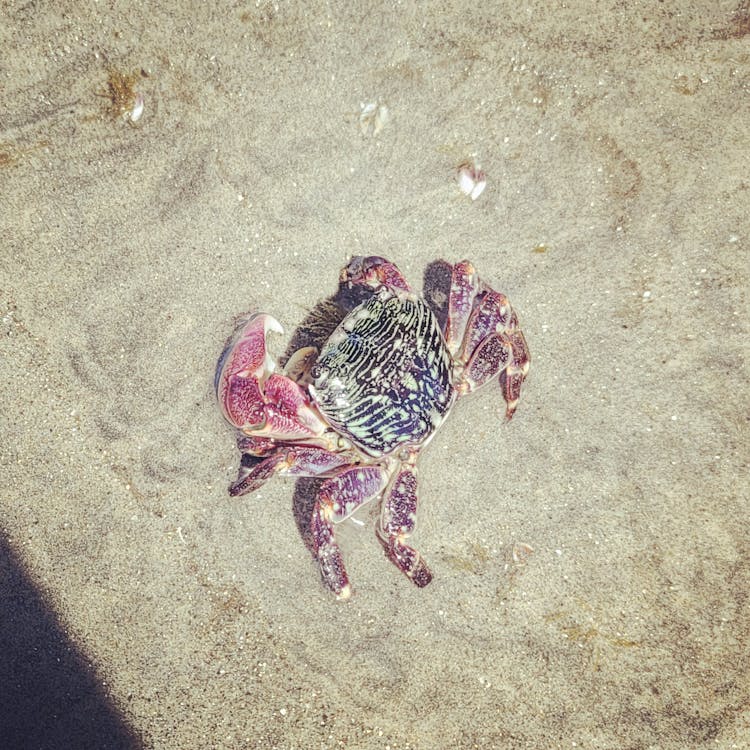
356	414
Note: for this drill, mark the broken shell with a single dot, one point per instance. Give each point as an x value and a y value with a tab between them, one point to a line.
372	117
521	552
137	111
471	180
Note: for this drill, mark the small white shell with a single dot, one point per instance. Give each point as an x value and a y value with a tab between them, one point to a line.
521	552
478	188
373	117
137	111
381	118
471	180
465	181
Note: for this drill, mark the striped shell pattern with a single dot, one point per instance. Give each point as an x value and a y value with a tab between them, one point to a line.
383	378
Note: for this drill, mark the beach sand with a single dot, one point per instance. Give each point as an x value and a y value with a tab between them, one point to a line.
140	606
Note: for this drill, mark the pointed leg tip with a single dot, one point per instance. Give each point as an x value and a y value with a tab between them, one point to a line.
345	594
422	576
240	488
466	266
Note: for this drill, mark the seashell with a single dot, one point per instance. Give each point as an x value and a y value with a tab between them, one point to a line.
373	117
137	111
471	180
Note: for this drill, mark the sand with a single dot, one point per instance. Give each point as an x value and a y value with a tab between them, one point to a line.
140	606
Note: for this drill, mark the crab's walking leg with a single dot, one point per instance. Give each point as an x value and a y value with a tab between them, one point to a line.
337	499
397	523
504	353
254	472
286	460
512	376
491	344
464	288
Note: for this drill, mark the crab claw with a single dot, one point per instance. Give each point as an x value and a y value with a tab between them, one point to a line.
373	271
257	401
289	400
241	368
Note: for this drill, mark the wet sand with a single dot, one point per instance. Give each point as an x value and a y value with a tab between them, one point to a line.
142	607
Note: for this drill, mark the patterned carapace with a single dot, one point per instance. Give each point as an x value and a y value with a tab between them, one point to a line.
383	379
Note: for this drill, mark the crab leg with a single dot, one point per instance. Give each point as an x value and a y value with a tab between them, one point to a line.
397	523
512	377
286	460
490	344
464	288
490	356
254	472
256	446
291	400
337	499
492	313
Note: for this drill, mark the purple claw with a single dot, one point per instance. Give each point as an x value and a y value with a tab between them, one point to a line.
240	370
259	403
289	397
242	402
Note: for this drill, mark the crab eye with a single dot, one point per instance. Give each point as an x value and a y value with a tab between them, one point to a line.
320	376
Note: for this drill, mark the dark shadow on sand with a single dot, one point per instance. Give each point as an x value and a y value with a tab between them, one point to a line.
50	698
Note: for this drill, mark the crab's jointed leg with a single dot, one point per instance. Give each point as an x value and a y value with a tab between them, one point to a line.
491	343
512	376
337	499
286	460
464	288
397	522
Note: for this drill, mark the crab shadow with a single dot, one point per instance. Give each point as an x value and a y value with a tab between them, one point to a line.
316	329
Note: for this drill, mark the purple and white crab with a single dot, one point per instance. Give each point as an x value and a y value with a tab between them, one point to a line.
381	386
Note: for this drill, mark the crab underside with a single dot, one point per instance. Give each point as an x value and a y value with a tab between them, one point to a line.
380	387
